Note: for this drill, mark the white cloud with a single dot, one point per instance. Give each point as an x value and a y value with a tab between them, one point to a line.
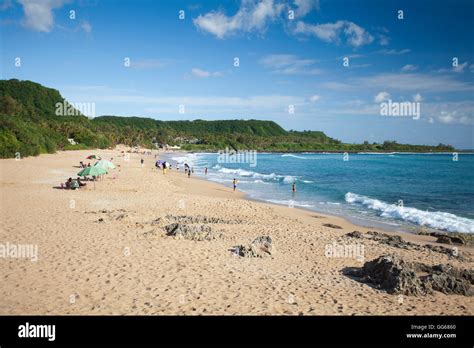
457	69
315	98
384	40
251	16
394	52
454	113
86	26
417	98
409	67
419	83
289	64
460	68
303	7
381	97
446	117
355	35
203	73
39	13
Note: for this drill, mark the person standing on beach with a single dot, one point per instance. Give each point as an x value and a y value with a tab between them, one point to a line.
189	173
234	183
141	162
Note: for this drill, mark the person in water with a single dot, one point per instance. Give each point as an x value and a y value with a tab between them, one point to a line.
293	187
234	183
205	171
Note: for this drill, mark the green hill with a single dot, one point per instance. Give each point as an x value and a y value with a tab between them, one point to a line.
29	125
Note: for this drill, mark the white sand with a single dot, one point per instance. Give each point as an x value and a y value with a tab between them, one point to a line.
127	265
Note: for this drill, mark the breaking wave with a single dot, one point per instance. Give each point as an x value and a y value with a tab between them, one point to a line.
438	220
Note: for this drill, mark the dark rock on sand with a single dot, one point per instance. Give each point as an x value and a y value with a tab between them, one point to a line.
449	280
262	246
355	234
395	241
391	274
451	252
196	232
445	239
396	276
399	242
201	219
451	238
333	226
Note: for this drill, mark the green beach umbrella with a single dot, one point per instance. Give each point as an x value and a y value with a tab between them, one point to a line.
94	171
104	164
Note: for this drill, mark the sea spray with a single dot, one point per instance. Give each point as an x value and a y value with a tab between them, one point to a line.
438	220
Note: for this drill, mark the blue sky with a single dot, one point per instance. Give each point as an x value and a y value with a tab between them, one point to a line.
283	61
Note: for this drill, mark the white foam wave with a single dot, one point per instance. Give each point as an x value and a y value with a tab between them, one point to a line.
438	220
287	179
290	203
189	159
293	156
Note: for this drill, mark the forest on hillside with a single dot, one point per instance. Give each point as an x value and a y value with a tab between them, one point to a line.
30	126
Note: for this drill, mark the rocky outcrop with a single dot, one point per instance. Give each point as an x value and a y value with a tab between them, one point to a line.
449	280
396	276
451	238
201	219
399	242
391	274
197	232
262	246
355	234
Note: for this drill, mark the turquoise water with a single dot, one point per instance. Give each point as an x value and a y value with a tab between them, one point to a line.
401	191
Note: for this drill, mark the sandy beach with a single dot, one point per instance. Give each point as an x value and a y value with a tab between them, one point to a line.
105	250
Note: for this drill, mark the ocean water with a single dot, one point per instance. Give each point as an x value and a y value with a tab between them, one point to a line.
395	191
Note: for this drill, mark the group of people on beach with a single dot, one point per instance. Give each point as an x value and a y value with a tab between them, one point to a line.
83	165
73	184
164	165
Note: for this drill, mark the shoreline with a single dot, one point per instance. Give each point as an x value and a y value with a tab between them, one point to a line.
343	221
107	249
360	222
333	152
